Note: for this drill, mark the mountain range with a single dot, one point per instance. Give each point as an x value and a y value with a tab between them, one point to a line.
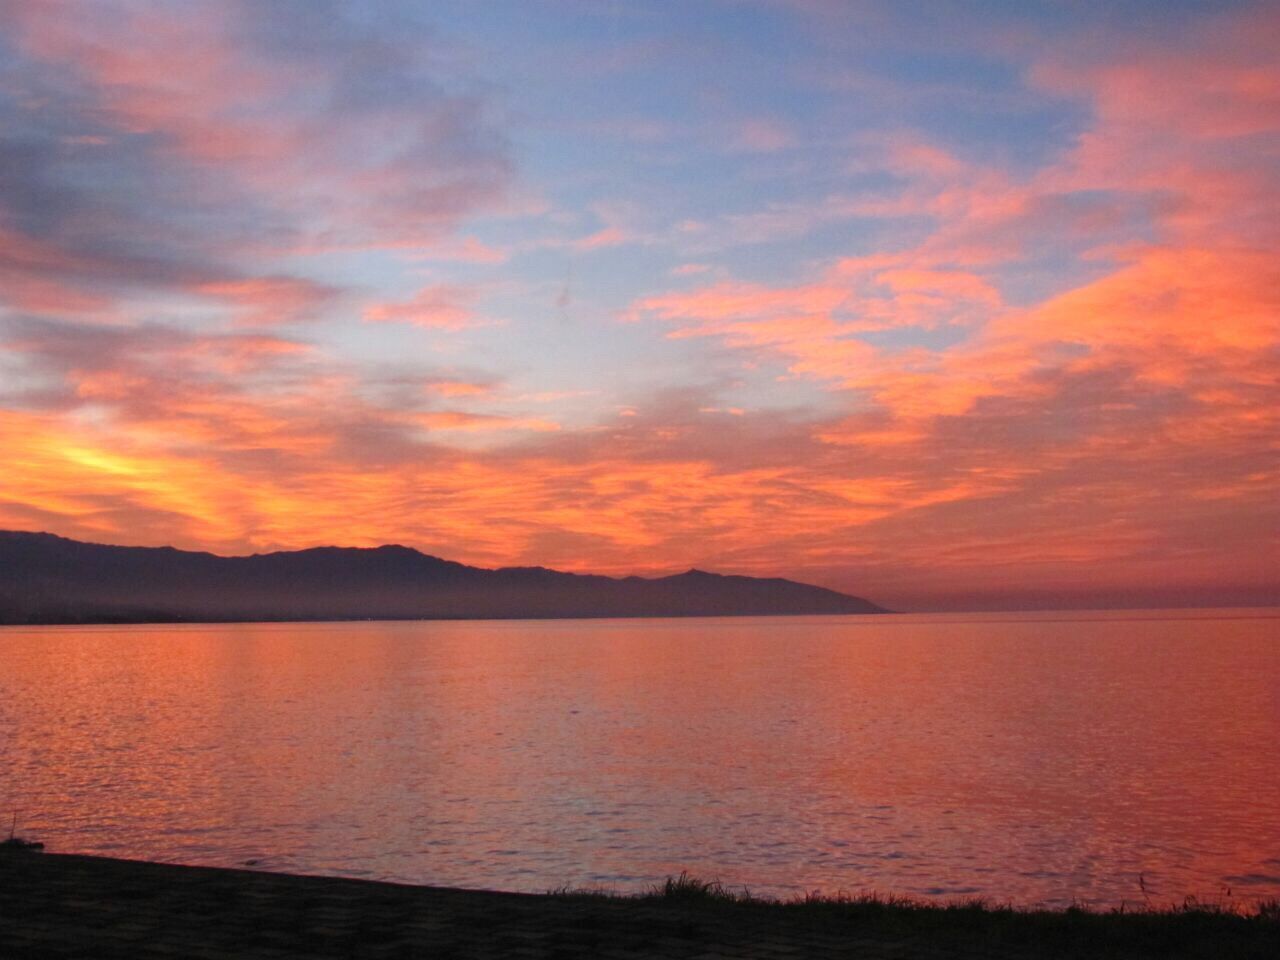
49	579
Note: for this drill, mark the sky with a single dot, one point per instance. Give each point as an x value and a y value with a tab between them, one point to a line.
949	305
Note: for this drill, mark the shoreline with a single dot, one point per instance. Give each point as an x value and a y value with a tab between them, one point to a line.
60	905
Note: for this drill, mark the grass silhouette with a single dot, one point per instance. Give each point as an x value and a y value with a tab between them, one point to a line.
1226	928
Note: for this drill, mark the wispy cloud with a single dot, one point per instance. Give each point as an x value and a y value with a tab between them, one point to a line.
237	245
444	306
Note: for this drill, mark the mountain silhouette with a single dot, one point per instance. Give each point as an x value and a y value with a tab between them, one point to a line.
50	579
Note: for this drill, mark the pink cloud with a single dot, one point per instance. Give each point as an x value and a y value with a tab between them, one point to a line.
444	306
612	236
466	250
763	135
201	81
271	301
40	277
459	420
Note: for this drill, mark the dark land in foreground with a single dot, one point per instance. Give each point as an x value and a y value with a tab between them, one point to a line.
74	906
50	579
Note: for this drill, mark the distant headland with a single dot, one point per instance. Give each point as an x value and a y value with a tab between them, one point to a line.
50	579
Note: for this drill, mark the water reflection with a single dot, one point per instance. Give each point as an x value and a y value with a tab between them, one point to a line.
1026	757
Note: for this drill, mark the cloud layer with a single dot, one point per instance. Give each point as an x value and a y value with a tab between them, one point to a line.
274	277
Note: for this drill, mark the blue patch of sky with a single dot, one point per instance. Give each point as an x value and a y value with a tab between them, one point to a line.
936	338
638	103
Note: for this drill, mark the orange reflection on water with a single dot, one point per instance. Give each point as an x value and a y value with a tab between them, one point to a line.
1030	757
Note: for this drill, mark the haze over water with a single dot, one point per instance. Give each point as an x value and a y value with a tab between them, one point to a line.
1034	757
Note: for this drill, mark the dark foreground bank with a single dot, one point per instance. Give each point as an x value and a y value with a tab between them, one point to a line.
72	906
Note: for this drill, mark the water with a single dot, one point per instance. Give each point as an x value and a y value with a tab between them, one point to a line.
1039	758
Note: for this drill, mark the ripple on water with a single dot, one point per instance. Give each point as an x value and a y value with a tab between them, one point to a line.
1044	761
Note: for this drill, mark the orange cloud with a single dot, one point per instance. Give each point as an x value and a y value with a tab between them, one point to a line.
1107	417
1118	429
457	388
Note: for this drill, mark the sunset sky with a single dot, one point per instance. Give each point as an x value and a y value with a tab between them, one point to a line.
943	304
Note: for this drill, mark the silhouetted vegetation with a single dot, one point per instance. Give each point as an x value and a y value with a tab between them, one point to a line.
15	842
1191	928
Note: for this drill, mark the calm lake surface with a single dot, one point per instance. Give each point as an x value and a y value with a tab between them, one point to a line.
1027	757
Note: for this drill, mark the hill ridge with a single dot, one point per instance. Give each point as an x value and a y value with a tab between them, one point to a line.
47	578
